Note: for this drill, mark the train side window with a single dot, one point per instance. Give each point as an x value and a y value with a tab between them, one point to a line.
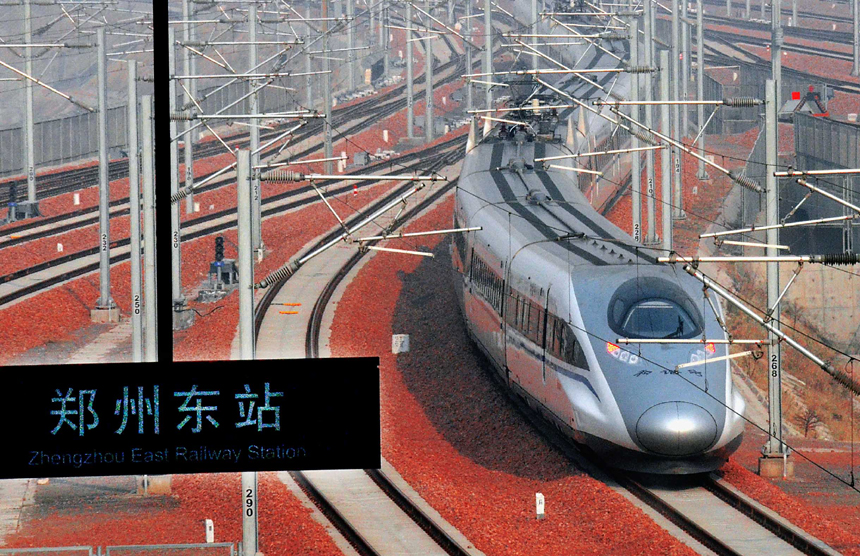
535	329
568	344
512	309
547	337
579	356
524	321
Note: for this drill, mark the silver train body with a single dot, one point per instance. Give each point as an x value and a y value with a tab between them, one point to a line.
548	286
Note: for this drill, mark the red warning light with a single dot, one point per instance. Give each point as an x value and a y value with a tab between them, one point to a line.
795	95
711	348
611	348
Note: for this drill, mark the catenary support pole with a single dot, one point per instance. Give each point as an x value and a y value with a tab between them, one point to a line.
350	43
747	11
249	511
700	83
29	125
428	84
381	19
678	205
175	227
105	305
134	225
534	39
651	236
467	32
311	102
187	98
666	154
253	105
386	43
774	376
370	35
855	71
776	49
488	50
686	64
327	129
246	257
410	75
150	306
635	112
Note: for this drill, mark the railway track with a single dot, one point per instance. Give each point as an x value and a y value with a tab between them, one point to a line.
710	497
806	33
345	497
732	39
786	11
50	273
399	526
30	230
79	178
719	518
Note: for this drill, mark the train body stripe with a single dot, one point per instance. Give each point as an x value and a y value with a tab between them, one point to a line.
555	193
512	201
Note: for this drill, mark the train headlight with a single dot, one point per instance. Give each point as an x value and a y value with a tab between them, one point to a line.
711	348
681	425
612	349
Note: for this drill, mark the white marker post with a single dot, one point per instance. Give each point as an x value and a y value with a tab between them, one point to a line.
249	512
210	531
540	503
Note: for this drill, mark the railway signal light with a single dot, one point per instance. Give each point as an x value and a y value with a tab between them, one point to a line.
219	249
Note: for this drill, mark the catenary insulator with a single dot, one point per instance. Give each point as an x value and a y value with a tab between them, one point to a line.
838	259
742	102
281	274
744	181
645	137
181	116
282	175
183	193
640	69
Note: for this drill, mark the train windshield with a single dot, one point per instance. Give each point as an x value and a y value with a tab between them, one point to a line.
658	318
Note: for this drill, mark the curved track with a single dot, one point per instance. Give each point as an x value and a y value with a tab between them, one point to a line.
86	260
327	488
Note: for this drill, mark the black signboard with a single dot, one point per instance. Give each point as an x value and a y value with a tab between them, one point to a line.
154	419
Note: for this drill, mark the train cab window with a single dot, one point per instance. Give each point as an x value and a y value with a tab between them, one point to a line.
658	318
571	350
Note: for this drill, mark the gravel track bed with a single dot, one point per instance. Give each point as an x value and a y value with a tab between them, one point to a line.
104	511
453	435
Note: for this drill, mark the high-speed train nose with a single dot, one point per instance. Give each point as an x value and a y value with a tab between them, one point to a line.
676	429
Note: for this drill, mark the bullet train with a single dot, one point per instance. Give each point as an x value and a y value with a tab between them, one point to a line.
548	286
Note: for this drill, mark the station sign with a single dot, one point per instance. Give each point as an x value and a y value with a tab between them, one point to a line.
200	417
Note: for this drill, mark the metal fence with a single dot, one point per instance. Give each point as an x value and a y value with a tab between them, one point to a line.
729	120
822	143
53	550
751	202
177	549
63	140
182	549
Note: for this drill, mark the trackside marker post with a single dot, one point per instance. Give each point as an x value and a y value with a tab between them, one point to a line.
540	504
